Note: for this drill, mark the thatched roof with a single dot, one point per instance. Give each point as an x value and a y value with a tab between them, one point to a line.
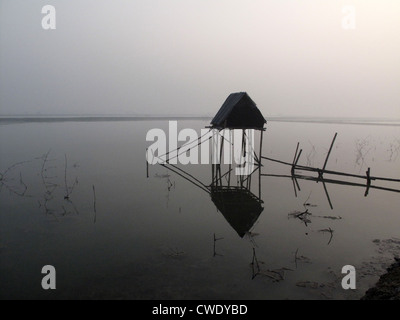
238	112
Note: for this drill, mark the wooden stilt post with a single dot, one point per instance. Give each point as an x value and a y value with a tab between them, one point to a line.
213	157
242	153
220	159
259	165
295	163
368	181
231	157
250	143
212	169
294	159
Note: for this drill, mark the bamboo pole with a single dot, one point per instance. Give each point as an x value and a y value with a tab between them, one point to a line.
333	181
368	181
259	165
231	156
298	157
295	154
329	152
242	153
305	168
220	157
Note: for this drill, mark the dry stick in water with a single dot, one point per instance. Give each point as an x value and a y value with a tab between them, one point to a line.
47	185
68	191
215	251
23	183
13	189
254	263
2	175
331	233
305	204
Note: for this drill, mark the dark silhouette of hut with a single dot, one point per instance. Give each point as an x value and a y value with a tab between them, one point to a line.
239	206
238	112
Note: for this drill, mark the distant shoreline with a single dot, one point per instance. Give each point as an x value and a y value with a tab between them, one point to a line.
38	119
25	119
379	122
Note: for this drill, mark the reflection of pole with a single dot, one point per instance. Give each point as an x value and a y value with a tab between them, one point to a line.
242	153
212	161
259	165
327	194
212	174
213	150
248	182
231	157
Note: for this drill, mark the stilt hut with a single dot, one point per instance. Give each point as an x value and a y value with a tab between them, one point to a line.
240	207
238	112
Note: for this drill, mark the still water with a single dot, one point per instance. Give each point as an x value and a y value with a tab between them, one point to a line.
75	195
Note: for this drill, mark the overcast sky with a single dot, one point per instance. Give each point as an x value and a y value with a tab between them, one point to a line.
293	57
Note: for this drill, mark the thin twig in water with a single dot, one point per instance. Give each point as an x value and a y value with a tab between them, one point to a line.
305	204
73	206
331	233
362	151
250	235
22	182
300	258
310	156
215	240
303	216
13	189
68	190
394	150
254	263
12	167
176	253
47	185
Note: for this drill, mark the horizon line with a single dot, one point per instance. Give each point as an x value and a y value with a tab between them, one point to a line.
19	119
104	115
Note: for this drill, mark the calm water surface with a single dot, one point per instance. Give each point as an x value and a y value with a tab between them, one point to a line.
121	235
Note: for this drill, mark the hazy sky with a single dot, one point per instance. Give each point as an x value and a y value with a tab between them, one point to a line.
293	57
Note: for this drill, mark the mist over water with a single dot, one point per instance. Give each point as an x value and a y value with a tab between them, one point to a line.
119	234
